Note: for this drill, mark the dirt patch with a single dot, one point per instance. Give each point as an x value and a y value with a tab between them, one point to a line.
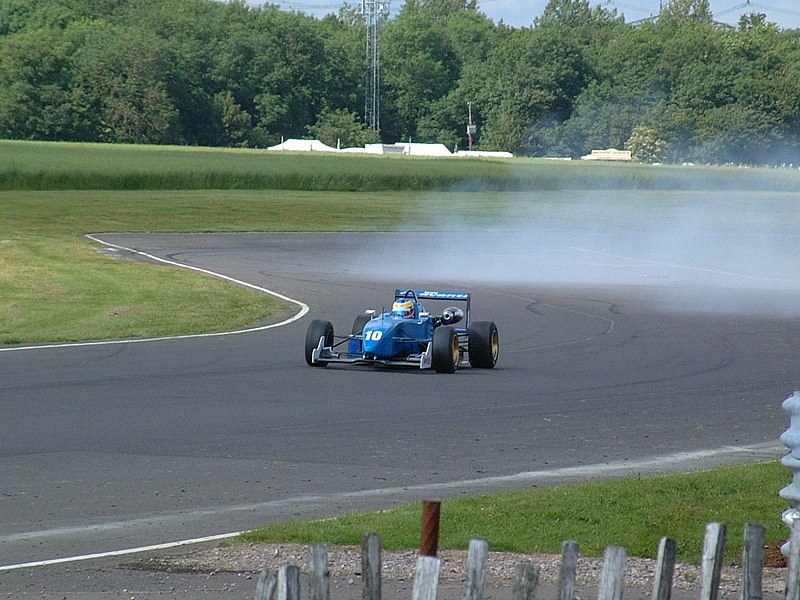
773	557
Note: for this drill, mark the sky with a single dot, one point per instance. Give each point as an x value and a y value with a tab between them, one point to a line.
520	13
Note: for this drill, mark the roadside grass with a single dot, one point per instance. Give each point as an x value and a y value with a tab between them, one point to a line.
58	290
634	513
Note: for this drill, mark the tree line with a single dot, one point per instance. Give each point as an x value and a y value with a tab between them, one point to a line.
677	88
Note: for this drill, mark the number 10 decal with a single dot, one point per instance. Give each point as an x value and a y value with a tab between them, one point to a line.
373	336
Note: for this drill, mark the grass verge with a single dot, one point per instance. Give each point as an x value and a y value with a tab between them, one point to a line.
634	513
59	290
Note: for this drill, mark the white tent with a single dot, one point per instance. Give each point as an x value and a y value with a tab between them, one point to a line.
295	145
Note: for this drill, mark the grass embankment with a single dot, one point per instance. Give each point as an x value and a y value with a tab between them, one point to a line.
61	166
634	513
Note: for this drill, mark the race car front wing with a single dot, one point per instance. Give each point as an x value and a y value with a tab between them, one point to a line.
323	354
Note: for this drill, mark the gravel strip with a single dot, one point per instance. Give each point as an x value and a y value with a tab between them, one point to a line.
344	562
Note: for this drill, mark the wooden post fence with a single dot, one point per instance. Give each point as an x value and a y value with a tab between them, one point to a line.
569	570
665	569
286	585
427	578
371	567
477	558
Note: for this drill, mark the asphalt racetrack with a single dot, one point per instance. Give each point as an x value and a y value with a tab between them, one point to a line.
663	366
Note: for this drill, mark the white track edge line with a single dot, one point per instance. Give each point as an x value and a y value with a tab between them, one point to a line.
304	309
113	553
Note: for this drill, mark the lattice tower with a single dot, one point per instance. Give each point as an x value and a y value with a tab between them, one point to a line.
374	11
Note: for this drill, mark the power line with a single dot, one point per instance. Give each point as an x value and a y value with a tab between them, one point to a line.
786	11
732	9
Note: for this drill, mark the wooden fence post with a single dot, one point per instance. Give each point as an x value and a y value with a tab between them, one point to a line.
612	578
371	567
476	569
288	583
429	541
665	569
427	578
753	561
568	571
318	574
713	546
265	588
525	582
793	570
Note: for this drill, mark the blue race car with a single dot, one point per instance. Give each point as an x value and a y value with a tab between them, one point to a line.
409	336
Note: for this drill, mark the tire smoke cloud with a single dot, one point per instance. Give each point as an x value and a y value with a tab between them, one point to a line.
707	252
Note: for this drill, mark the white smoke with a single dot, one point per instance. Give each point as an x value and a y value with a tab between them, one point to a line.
704	251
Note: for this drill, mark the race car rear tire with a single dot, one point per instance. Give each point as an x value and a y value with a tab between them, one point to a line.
445	350
483	344
317	329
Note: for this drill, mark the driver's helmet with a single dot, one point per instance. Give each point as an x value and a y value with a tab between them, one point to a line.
403	307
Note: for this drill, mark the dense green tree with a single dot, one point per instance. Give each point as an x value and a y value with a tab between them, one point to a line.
35	84
286	71
234	122
119	90
574	13
419	66
646	145
533	75
471	36
440	8
678	13
342	129
342	77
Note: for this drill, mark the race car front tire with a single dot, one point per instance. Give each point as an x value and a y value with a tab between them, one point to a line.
358	324
483	345
316	330
445	352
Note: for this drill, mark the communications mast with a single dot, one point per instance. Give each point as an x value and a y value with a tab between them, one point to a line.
374	12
